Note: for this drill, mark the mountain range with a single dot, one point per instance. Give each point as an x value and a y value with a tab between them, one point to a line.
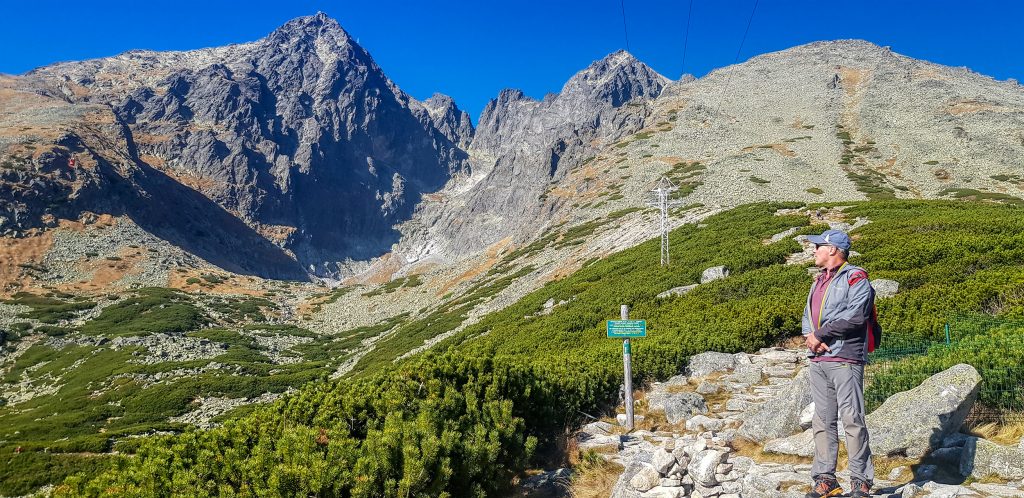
295	156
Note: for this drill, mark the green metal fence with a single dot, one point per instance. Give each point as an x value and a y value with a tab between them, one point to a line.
993	345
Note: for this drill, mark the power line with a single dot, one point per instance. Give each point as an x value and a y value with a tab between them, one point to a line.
686	39
745	31
728	77
622	3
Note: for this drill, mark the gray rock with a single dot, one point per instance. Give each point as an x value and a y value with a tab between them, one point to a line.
706	387
677	291
915	421
998	490
799	444
663	461
703	364
910	490
737	405
702	467
645	478
665	492
779	416
781	356
885	288
947	455
779	371
807	416
681	406
939	490
599	428
601	444
703	423
706	491
745	374
714	273
622	488
982	458
546	483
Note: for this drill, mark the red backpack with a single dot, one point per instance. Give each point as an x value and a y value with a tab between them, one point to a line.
874	329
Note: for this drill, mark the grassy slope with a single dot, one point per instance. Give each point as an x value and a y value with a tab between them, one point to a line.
535	373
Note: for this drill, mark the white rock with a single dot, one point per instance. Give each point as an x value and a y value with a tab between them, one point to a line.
702	467
646	478
807	416
663	461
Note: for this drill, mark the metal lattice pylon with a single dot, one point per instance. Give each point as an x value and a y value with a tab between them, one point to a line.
661	194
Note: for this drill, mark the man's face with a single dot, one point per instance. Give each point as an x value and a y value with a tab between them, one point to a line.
821	254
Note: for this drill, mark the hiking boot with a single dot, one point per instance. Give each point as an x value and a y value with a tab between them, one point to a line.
823	487
860	488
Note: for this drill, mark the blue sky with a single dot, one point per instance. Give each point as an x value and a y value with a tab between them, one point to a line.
472	49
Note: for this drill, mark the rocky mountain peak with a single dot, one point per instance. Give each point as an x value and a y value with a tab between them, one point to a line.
451	121
319	29
618	75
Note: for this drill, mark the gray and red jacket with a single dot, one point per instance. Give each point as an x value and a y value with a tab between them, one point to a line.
846	311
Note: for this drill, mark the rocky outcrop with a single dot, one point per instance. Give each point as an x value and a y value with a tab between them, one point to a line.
913	422
983	459
522	147
299	135
697	460
780	416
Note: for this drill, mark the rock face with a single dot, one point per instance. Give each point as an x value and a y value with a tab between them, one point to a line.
705	363
915	421
523	146
885	288
714	273
681	406
981	458
299	136
699	460
780	416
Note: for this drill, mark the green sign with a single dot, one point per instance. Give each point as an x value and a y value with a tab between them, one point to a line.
623	329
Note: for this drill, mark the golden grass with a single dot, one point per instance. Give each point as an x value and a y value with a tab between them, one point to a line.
594	477
1005	434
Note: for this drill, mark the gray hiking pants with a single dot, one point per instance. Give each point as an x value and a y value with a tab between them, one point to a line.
837	389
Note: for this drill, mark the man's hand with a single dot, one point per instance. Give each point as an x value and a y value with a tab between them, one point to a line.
815	345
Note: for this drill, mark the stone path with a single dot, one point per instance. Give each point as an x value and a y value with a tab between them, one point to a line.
725	401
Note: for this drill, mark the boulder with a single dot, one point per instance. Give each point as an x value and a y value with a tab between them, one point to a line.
799	444
779	416
645	478
599	428
982	458
677	291
663	461
705	363
702	467
915	421
681	406
666	492
745	374
703	423
714	273
599	443
707	387
622	488
807	416
885	288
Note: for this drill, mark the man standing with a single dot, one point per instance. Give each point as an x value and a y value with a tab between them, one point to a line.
835	323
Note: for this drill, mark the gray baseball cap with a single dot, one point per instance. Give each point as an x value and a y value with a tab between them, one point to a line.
835	238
